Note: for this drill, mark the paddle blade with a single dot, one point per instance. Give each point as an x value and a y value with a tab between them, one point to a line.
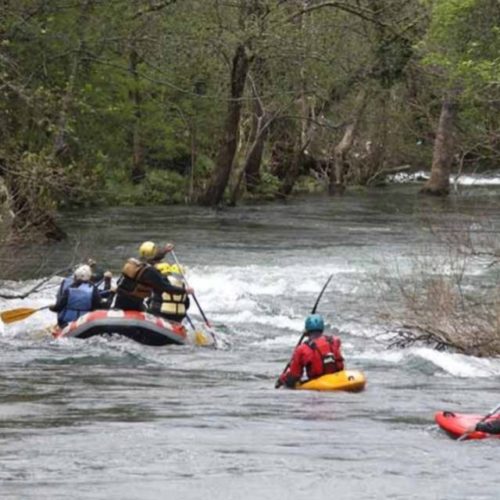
14	315
201	339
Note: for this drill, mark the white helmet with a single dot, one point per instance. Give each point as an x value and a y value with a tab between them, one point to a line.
82	273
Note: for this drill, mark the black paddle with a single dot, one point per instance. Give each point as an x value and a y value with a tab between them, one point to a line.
486	417
313	311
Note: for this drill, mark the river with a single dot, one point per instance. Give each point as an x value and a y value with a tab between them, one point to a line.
112	419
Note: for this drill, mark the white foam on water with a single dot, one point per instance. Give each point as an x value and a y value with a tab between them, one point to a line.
244	294
460	365
462	180
279	341
37	321
273	300
405	177
456	365
385	356
476	180
276	321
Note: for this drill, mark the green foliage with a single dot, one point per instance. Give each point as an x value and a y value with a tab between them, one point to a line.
204	165
462	48
96	90
163	187
119	190
464	40
160	187
268	188
308	184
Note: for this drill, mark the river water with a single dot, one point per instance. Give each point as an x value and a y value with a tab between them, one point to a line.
112	419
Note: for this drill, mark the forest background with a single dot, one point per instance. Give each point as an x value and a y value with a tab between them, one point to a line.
136	102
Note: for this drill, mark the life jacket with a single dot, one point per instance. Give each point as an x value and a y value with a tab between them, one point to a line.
329	350
66	283
130	280
79	302
171	304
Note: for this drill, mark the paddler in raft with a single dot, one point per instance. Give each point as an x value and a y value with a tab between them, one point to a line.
78	297
168	305
140	279
318	355
98	277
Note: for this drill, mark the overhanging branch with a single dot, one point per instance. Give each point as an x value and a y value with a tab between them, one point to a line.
153	8
365	14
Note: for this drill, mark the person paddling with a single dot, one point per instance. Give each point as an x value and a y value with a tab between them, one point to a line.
171	306
99	278
319	355
140	278
490	427
78	297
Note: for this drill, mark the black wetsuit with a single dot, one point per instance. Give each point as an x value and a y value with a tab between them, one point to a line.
150	280
492	427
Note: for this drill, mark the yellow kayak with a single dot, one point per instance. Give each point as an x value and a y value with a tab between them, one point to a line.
345	380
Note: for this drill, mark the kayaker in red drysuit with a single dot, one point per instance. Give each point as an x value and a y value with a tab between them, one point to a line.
319	355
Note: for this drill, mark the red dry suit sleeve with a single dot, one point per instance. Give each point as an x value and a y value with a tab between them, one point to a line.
300	359
338	354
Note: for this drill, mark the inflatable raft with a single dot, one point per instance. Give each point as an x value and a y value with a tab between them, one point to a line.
142	327
456	424
345	380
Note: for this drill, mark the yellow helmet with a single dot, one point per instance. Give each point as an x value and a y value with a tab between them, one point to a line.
164	268
148	250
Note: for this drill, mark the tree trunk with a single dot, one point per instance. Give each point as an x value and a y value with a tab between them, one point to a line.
192	135
253	162
225	158
282	150
257	139
444	143
293	171
339	165
138	171
371	160
61	147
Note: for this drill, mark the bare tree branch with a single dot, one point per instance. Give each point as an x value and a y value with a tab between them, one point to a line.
153	8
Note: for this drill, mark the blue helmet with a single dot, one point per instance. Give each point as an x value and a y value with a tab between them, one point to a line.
314	323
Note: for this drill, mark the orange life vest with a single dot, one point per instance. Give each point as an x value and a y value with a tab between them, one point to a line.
130	280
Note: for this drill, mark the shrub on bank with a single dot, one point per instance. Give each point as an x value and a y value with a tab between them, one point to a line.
160	187
450	301
267	189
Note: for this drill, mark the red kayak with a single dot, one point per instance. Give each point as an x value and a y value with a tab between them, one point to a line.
456	424
142	327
